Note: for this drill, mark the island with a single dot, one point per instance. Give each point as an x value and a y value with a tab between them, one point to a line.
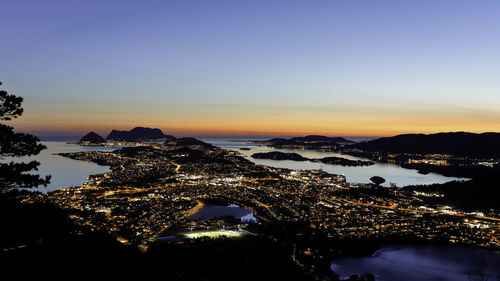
92	138
344	162
139	134
135	137
277	155
315	142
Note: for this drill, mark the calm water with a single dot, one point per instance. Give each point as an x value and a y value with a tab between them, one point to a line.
391	172
421	263
209	212
65	172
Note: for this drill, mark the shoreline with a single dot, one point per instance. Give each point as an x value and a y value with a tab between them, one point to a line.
195	209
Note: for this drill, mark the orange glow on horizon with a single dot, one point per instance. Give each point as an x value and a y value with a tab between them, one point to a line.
105	129
258	121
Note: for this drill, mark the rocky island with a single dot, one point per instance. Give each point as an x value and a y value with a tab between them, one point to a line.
343	161
139	134
92	138
134	137
277	155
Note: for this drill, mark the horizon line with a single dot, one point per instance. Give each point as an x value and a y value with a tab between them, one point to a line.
256	134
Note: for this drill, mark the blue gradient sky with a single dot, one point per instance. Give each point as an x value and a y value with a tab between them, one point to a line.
253	67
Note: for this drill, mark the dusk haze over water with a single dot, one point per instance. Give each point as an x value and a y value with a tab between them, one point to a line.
353	68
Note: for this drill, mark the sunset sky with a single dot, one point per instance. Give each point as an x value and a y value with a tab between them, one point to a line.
355	68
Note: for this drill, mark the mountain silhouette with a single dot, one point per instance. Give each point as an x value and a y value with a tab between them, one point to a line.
92	137
453	143
138	134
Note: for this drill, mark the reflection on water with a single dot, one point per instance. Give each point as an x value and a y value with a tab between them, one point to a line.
209	212
417	263
391	172
65	172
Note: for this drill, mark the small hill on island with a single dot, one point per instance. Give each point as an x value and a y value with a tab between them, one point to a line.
92	137
139	134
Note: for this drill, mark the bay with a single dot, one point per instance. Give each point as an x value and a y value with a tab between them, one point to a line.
65	172
392	173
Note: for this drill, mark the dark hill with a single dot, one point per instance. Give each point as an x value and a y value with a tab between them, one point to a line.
188	141
317	138
480	193
308	139
92	138
276	155
138	134
484	145
307	142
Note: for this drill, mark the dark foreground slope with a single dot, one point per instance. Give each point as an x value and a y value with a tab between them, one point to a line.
43	244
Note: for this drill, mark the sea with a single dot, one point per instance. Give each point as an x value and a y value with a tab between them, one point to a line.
66	172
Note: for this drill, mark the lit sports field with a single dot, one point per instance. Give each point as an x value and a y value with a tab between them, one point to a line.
214	234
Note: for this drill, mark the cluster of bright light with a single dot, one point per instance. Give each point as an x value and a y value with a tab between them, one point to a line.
214	234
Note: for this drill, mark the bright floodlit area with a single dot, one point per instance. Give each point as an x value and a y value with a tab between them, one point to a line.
214	234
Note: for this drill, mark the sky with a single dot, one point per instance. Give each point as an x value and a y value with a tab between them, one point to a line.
236	67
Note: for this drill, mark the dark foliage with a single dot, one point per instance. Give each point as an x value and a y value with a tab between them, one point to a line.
10	106
18	144
12	144
15	175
